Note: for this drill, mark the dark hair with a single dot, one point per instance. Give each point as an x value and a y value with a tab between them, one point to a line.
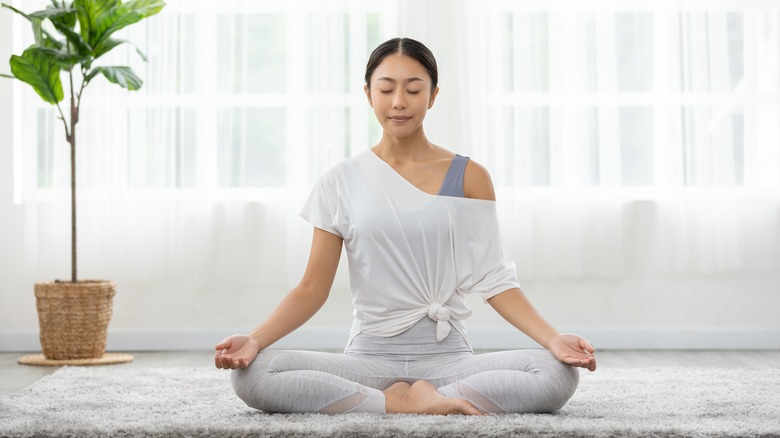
404	46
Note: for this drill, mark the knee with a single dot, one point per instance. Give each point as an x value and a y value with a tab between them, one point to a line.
552	385
563	380
244	386
248	383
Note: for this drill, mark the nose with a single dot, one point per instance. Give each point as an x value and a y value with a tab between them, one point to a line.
399	101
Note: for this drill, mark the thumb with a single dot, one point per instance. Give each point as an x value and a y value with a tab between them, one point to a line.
227	343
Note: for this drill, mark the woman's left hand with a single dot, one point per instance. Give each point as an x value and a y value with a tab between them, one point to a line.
573	350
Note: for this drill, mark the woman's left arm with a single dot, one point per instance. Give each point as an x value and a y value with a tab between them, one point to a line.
571	349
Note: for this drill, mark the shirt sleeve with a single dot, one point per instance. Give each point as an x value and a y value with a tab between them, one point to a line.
488	268
495	274
321	208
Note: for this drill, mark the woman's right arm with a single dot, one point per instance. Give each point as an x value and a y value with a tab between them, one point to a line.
300	304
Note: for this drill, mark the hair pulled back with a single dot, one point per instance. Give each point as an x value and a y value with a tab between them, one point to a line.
405	46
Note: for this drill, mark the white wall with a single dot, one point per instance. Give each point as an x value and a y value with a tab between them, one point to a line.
211	284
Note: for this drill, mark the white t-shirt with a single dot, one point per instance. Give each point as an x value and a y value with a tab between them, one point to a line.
411	254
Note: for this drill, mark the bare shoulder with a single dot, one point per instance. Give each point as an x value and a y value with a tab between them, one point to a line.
477	183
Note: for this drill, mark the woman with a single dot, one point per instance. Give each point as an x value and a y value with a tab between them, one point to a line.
420	228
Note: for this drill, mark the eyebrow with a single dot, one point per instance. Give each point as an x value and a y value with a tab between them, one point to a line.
414	79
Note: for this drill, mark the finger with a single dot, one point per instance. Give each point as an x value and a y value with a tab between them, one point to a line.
224	345
585	345
577	362
592	366
217	360
226	362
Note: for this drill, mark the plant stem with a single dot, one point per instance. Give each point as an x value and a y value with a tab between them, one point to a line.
74	111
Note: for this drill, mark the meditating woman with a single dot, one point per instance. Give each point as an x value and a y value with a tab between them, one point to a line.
420	229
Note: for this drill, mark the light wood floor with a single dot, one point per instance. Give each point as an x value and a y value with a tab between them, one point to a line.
14	377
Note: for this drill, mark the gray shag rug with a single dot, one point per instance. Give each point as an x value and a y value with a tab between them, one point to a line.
194	402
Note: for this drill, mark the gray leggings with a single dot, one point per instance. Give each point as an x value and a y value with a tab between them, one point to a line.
307	381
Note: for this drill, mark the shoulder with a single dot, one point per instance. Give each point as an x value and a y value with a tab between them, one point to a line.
477	182
346	168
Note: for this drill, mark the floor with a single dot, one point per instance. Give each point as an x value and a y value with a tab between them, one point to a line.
14	377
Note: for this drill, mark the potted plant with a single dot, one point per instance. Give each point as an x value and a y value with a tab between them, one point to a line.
69	38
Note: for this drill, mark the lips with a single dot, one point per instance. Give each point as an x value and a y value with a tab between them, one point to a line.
399	118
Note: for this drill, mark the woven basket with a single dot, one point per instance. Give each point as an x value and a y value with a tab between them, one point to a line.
74	318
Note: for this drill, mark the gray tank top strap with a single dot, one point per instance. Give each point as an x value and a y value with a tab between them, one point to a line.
453	181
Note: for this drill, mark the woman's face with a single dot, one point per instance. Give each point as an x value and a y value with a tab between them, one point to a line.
400	94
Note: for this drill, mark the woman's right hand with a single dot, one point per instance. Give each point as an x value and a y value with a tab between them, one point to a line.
237	351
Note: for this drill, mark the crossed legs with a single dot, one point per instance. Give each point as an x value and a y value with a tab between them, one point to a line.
305	381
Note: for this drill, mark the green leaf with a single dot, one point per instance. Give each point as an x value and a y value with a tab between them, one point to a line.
108	44
99	19
40	71
122	76
54	12
64	20
146	8
82	48
69	19
64	59
105	46
89	12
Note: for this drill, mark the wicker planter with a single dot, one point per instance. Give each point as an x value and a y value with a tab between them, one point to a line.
74	318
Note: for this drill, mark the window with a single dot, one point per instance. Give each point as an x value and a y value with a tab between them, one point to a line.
267	94
250	95
630	95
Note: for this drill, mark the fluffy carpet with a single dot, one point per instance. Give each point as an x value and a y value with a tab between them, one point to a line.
163	402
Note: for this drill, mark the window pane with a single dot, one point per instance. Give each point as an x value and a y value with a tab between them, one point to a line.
636	145
712	141
325	53
507	166
171	52
634	51
707	51
45	139
164	148
532	143
325	133
768	51
252	57
765	163
373	32
590	167
528	45
251	152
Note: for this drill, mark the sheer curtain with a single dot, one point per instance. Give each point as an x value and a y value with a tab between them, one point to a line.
625	140
189	188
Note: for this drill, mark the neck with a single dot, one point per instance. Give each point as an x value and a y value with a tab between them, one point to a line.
415	147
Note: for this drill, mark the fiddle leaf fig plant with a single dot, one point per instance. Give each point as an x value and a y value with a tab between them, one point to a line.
70	36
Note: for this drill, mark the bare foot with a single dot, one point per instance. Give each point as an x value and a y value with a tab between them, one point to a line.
423	398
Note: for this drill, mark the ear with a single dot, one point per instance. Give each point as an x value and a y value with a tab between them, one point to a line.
433	97
368	95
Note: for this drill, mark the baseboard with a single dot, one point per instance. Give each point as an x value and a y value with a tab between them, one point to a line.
482	338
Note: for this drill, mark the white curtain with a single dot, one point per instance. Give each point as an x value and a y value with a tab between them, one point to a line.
624	141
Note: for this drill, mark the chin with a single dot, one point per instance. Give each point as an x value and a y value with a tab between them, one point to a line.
401	133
